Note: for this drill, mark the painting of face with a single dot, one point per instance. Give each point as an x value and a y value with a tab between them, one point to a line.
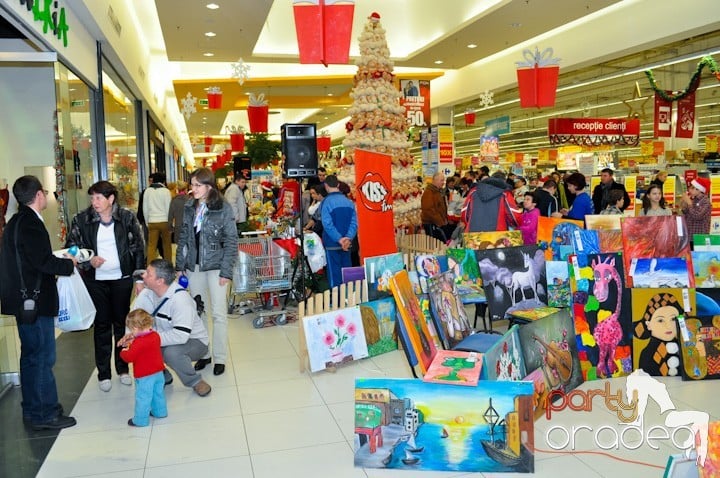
663	323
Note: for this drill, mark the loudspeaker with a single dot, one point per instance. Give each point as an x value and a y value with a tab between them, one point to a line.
299	146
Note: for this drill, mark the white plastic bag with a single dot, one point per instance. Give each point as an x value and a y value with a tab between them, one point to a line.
314	251
77	311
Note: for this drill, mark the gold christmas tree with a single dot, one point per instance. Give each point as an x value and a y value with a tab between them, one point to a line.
377	123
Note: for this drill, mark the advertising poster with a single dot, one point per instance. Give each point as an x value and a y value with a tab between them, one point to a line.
416	100
374	203
446	139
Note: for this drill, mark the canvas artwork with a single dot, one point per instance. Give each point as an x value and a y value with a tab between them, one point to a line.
351	274
454	367
427	265
492	239
681	466
706	242
334	337
549	344
530	315
513	279
706	267
610	241
711	467
585	242
424	300
661	272
411	425
378	318
541	391
558	284
656	347
603	320
463	263
504	360
650	237
413	320
447	309
554	232
700	337
379	270
603	222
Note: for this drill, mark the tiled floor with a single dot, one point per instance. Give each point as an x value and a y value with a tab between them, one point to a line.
265	419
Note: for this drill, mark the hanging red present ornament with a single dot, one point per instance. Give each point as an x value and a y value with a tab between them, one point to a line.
208	143
214	97
258	111
323	142
323	29
237	137
469	117
537	78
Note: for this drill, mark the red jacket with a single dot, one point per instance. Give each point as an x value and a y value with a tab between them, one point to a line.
145	355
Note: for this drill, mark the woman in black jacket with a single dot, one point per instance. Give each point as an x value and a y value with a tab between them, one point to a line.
114	234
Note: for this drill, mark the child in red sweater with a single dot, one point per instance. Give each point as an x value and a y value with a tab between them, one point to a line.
143	351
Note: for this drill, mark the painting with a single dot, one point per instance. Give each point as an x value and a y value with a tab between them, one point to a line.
541	391
427	265
467	275
447	309
378	318
656	348
378	271
585	242
549	344
351	274
603	222
700	337
492	239
334	337
554	232
513	279
424	300
529	315
711	467
603	320
406	424
646	237
454	367
660	272
610	241
706	267
504	360
558	284
706	242
413	320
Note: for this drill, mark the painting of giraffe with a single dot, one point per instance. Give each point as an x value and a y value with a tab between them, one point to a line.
603	320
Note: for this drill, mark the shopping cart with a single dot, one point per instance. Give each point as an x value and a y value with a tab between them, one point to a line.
263	268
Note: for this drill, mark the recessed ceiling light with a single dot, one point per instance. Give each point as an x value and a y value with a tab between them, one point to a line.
438	62
472	45
329	94
210	34
208	54
516	25
212	6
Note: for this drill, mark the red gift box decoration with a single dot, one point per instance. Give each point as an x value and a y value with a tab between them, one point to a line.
469	118
323	143
237	142
214	97
208	143
537	78
323	28
258	118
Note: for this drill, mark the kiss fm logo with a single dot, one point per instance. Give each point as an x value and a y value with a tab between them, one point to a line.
374	193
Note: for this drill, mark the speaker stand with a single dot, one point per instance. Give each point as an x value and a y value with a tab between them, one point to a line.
301	295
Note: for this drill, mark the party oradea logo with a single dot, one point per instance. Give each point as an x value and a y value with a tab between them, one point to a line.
685	430
374	193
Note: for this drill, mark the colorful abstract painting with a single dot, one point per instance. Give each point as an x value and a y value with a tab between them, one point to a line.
603	320
610	241
706	267
492	239
427	265
379	270
711	467
504	360
602	222
447	309
656	346
548	344
415	426
463	263
556	232
413	320
585	242
660	272
378	318
558	284
454	367
513	279
334	337
700	337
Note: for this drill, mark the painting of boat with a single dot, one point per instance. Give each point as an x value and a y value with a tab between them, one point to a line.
507	452
412	446
410	459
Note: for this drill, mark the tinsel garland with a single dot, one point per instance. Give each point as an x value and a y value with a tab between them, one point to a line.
694	81
59	182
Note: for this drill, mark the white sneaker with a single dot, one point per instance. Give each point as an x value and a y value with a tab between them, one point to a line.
105	385
126	379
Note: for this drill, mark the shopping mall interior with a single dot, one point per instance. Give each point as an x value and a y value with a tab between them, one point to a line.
94	90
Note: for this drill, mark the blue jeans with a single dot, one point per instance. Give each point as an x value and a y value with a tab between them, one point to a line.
336	260
37	358
149	397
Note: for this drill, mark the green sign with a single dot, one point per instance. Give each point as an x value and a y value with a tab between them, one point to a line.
203	102
77	103
52	17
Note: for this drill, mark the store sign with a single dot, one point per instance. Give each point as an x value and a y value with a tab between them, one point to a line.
51	16
594	131
416	100
497	126
445	143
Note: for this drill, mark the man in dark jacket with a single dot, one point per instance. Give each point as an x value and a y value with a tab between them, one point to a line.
489	206
26	240
547	202
433	209
602	191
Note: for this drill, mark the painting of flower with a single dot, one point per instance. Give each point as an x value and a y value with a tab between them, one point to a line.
335	337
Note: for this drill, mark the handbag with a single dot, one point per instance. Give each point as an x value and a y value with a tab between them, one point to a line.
76	311
29	311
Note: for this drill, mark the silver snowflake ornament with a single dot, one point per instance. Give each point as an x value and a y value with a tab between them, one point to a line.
188	105
240	70
486	99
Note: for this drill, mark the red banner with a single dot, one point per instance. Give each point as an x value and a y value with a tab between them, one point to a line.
663	117
416	100
685	124
594	131
374	203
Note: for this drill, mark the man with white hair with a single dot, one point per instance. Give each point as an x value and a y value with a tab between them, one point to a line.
433	209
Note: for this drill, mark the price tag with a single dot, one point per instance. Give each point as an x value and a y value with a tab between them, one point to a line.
686	300
578	240
679	222
683	328
576	267
633	265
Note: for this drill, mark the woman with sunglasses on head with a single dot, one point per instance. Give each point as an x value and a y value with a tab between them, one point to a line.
207	250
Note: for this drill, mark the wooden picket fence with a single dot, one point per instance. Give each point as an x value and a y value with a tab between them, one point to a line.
419	244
